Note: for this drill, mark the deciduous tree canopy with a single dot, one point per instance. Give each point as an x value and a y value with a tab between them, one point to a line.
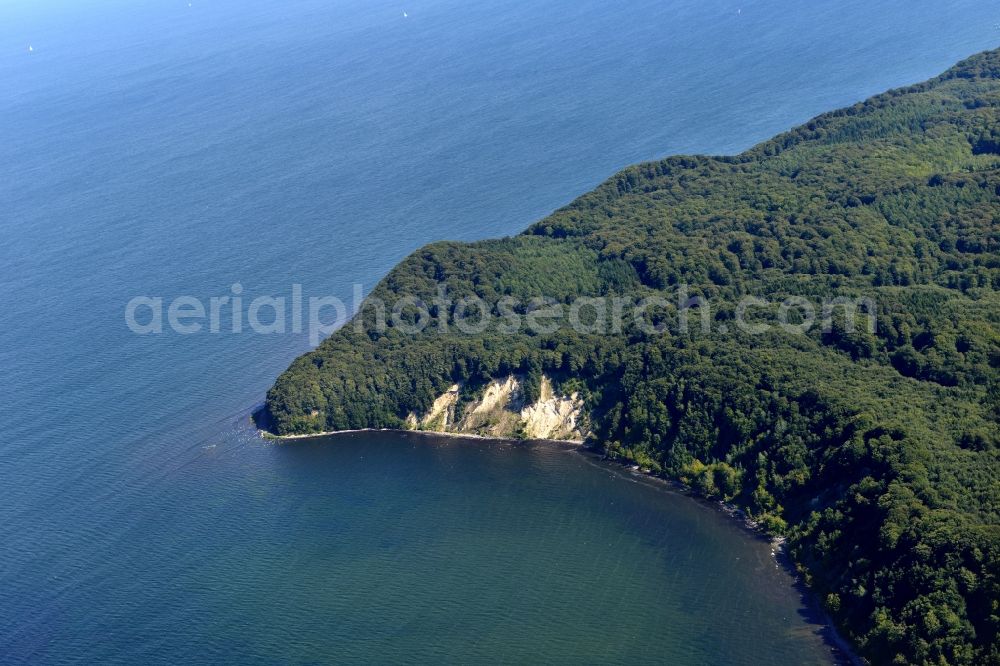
877	454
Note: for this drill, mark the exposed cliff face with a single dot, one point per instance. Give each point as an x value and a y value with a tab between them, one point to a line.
501	411
553	416
442	414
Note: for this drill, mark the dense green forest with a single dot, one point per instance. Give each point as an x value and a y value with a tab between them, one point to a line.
875	452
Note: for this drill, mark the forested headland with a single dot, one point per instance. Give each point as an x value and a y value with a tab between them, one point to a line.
875	452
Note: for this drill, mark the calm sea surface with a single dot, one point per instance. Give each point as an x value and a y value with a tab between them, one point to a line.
168	148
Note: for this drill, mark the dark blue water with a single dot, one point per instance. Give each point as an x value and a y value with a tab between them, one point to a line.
156	148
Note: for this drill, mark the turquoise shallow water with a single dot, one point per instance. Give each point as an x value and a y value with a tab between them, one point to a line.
393	548
163	149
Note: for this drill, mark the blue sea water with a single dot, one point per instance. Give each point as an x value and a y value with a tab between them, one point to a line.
168	148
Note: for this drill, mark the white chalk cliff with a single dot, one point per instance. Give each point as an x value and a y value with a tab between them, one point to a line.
500	410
